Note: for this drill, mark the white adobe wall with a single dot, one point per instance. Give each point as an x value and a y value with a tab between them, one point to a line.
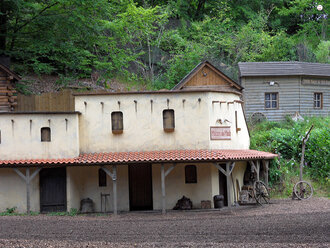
21	136
83	183
13	191
226	113
143	126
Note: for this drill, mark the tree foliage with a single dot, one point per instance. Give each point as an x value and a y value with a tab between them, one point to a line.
159	40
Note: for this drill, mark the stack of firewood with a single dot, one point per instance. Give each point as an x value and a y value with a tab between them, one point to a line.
8	100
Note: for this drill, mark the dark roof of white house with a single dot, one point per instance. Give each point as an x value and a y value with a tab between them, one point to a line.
292	68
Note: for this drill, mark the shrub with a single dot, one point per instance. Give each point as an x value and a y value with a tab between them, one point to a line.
285	139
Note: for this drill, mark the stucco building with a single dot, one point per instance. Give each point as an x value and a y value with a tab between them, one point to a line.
277	89
143	150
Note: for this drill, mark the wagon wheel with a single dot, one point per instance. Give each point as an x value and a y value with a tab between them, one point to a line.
261	193
303	190
257	117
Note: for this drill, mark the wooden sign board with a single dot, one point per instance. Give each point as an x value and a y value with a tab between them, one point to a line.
220	133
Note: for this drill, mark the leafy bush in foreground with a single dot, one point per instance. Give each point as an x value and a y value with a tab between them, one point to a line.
285	139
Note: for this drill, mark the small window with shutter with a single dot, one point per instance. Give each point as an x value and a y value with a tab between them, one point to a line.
117	122
102	178
45	134
191	174
168	120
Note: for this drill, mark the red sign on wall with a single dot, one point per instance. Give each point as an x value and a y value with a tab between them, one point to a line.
220	133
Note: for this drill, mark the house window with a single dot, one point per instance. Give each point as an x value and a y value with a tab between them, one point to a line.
271	100
117	122
102	178
168	120
45	134
318	100
190	173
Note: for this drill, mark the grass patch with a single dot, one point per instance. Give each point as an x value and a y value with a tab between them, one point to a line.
72	212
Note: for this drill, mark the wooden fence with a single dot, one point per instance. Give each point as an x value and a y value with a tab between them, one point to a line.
61	101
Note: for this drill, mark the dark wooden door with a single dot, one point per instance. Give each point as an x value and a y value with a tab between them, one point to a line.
53	190
140	187
223	185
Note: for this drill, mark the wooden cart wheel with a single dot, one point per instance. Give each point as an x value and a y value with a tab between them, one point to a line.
303	190
261	193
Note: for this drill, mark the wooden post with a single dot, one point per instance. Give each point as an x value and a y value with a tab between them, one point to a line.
258	170
113	176
304	140
27	178
27	190
266	168
229	169
114	188
163	175
163	188
228	184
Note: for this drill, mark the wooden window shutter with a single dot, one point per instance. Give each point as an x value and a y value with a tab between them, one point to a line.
117	122
168	120
45	134
190	173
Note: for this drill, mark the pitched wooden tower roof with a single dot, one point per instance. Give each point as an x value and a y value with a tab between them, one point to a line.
207	76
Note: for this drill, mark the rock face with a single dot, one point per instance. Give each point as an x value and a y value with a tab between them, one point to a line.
183	204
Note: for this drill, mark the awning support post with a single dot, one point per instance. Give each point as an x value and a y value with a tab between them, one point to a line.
163	175
113	176
229	169
266	169
27	178
255	167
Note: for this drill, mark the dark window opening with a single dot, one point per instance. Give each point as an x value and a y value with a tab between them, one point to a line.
117	122
168	120
318	100
271	100
45	134
102	178
191	173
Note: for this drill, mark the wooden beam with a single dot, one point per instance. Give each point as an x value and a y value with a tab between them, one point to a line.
27	178
114	189
27	190
220	169
169	170
20	174
163	175
231	166
113	176
162	171
35	173
229	169
266	168
258	169
255	166
108	172
228	184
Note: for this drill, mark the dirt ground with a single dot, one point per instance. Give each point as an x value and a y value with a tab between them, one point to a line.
284	223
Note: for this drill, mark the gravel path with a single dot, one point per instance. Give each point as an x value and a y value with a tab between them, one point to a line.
285	223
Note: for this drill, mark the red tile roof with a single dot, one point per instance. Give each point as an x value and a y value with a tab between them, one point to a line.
148	157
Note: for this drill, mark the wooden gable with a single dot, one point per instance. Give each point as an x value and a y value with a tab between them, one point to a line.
207	76
8	100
